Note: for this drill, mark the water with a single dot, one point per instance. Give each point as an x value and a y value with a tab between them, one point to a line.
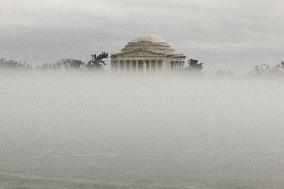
91	130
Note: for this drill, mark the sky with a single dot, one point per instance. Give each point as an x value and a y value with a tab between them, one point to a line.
229	34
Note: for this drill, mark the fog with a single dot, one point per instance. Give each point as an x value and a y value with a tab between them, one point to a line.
103	130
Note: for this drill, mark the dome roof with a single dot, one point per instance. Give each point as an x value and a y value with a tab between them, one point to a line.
151	38
149	43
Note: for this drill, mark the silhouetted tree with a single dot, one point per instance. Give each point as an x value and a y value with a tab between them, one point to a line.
194	66
97	61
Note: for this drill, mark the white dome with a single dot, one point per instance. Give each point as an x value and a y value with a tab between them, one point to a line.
151	38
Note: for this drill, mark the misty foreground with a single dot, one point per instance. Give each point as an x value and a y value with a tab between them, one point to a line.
114	131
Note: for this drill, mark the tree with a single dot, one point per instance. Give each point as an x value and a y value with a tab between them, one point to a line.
69	63
267	70
11	64
262	69
97	61
194	66
76	63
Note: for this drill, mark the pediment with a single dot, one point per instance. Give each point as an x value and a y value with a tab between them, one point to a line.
141	53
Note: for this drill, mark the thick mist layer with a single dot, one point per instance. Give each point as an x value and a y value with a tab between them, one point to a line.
103	130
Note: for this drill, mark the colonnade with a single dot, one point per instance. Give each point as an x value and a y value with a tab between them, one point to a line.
145	65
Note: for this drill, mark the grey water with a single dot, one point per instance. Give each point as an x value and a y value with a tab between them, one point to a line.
102	130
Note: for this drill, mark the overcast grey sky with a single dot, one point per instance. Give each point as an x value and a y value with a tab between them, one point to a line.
236	33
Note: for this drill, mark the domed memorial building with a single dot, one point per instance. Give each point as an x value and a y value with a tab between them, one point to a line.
147	54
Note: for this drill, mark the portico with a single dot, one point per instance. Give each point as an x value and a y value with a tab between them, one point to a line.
147	54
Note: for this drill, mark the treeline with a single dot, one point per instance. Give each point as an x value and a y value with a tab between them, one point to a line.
11	64
268	70
95	63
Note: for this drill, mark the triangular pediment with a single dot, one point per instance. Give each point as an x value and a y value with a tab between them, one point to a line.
141	53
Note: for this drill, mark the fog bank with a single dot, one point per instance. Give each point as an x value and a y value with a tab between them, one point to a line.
91	130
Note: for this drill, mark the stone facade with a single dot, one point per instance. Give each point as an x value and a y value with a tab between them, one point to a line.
147	54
